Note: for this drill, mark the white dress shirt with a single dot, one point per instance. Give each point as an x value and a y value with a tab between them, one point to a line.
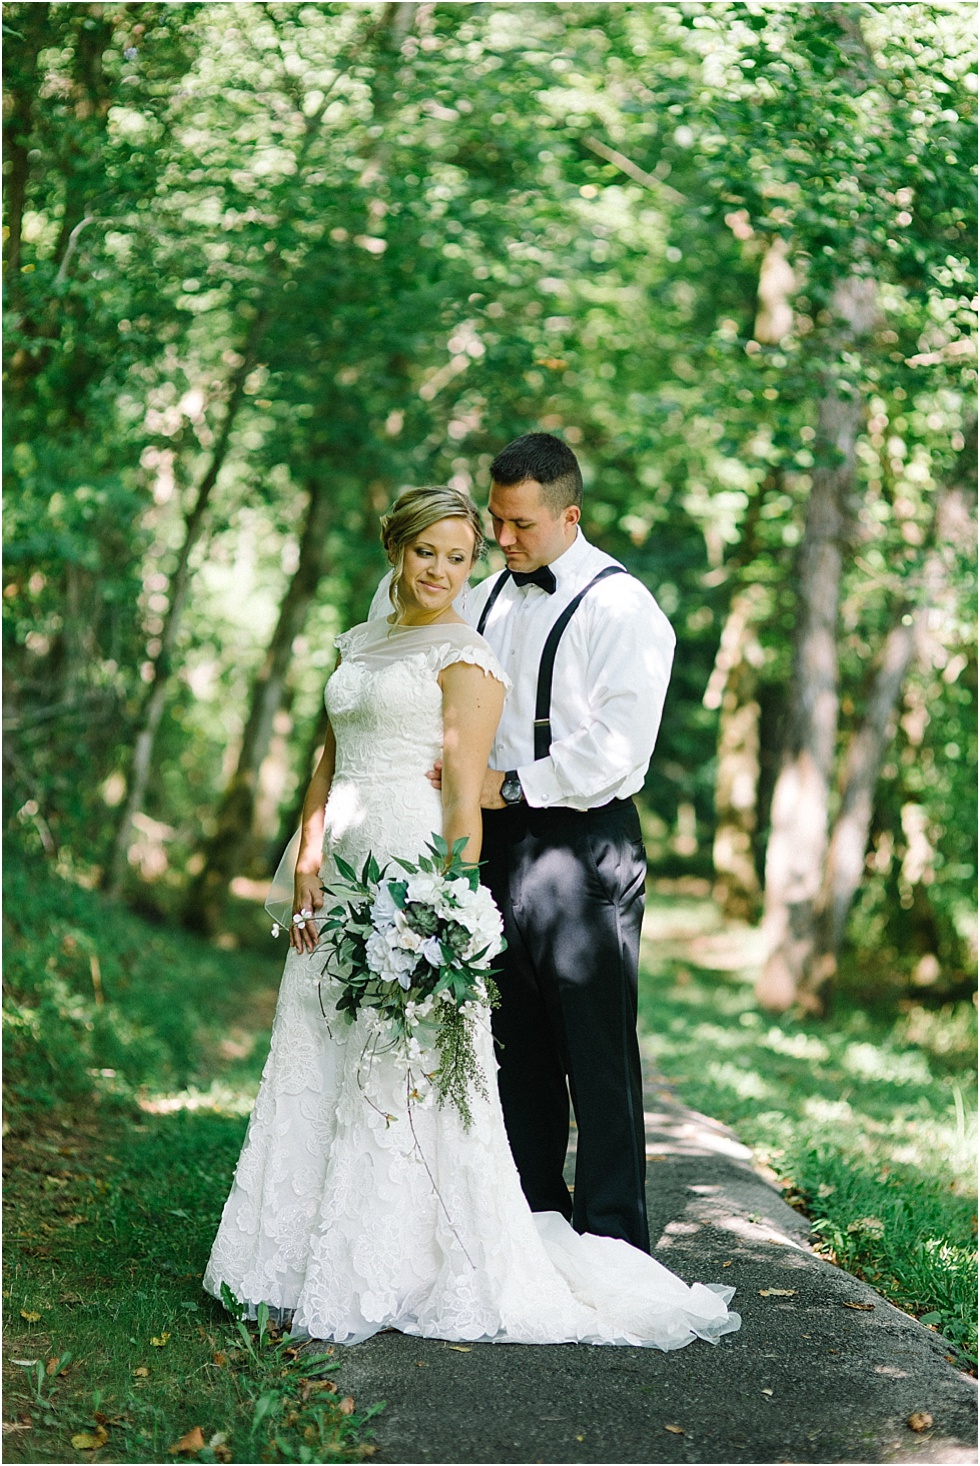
611	675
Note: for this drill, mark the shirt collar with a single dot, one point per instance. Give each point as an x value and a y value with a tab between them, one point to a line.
569	562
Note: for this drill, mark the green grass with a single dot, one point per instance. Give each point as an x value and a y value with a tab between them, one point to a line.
868	1117
124	1121
126	1115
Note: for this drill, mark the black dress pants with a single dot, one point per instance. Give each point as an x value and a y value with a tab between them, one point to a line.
570	886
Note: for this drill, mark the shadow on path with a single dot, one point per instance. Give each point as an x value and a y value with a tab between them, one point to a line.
822	1370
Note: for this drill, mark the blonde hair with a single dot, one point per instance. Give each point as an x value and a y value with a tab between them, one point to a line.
413	512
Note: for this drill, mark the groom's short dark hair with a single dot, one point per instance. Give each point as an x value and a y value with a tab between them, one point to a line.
545	458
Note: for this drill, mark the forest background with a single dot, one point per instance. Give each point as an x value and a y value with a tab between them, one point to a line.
266	264
269	263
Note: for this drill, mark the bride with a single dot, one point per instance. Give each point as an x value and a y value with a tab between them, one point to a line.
350	1210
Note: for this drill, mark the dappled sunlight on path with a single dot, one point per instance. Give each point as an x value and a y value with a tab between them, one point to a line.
685	929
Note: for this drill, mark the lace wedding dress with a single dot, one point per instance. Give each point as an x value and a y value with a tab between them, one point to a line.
360	1209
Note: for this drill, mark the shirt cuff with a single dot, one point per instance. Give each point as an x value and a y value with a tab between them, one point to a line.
540	784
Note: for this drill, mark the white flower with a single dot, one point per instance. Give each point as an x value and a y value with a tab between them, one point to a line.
408	939
388	958
432	951
478	914
384	911
459	890
425	888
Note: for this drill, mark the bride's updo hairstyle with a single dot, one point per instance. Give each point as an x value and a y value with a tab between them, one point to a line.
412	514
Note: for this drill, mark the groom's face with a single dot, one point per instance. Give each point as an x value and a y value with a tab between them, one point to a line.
526	529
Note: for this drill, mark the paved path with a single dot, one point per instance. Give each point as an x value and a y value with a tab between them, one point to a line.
806	1379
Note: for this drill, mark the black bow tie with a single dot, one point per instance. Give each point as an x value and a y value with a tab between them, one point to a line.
544	576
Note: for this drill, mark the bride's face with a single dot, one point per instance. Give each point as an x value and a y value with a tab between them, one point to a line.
436	566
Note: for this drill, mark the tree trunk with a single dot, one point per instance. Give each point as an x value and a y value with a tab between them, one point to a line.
146	737
732	689
849	841
227	848
21	68
142	756
953	524
798	836
289	822
92	97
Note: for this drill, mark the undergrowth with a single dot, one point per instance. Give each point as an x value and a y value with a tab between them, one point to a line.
868	1118
125	1116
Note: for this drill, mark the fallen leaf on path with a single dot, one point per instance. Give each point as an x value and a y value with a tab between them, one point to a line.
777	1292
346	1406
190	1443
141	1372
580	1437
161	1341
919	1420
767	1392
461	1348
728	1263
321	1384
861	1307
87	1440
675	1429
30	1315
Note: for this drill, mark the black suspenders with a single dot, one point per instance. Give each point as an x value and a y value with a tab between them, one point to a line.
491	600
546	671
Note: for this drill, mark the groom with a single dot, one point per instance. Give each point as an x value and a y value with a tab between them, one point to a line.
589	653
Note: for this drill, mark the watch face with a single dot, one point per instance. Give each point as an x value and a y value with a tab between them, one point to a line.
511	791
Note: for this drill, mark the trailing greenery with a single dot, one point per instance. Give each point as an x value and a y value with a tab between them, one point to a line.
413	956
868	1118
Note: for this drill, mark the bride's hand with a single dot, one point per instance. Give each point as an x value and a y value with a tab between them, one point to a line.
307	900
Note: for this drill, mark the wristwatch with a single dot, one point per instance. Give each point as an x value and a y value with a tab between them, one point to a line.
510	790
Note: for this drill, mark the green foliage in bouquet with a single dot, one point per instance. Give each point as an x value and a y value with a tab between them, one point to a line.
418	951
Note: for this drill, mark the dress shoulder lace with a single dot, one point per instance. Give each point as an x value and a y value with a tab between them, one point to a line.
477	653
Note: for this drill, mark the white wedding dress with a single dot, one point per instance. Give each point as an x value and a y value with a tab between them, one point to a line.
360	1211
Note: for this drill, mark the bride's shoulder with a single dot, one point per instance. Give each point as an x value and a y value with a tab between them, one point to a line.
356	636
464	644
461	633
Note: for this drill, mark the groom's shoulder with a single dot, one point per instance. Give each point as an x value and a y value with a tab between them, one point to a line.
623	600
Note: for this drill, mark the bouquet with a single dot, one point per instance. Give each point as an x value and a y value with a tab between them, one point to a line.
417	949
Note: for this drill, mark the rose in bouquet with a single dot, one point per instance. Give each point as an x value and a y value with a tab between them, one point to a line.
417	948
